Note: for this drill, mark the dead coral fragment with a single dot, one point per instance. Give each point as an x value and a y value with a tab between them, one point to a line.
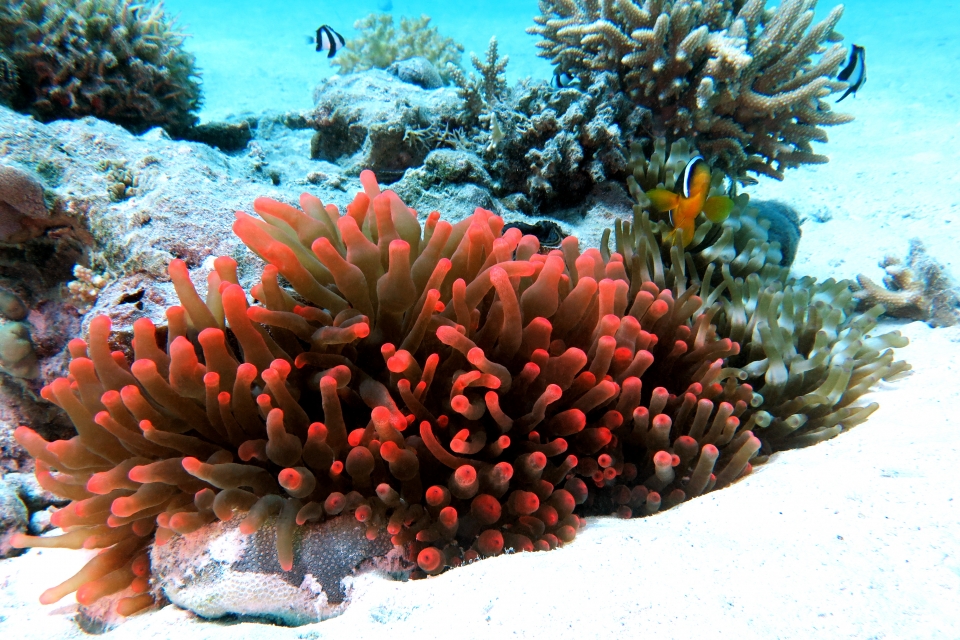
919	290
85	289
746	83
379	44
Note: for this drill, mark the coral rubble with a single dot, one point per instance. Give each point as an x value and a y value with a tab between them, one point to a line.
379	44
447	384
745	83
118	60
917	290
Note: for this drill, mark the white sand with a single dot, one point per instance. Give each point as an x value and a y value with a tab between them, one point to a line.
853	538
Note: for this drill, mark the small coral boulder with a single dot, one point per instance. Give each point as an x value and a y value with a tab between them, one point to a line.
217	570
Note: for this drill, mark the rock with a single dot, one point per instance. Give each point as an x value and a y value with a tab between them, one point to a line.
23	211
40	522
226	136
418	71
31	493
13	519
17	356
784	226
217	571
371	120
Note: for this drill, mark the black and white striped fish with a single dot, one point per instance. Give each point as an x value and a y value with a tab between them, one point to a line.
327	40
855	72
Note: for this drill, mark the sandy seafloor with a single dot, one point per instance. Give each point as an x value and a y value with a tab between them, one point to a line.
858	537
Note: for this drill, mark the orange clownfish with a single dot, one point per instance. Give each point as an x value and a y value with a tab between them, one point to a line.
684	208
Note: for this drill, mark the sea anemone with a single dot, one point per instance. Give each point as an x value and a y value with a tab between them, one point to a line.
447	383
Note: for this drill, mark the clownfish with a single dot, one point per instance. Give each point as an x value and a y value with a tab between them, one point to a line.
686	206
327	40
855	72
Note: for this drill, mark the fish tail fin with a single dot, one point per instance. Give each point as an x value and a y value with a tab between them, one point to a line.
717	208
686	231
663	199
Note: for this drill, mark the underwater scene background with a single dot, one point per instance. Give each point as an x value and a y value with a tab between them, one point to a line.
251	413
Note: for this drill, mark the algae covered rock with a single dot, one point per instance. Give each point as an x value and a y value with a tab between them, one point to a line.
417	70
23	211
218	571
13	518
373	121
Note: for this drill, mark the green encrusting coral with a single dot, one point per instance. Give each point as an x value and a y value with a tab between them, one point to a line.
804	348
379	44
117	60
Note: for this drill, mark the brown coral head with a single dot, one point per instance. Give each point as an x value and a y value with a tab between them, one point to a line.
446	383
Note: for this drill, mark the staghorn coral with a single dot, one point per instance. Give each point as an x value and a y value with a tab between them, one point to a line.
746	83
480	93
446	383
803	347
118	60
379	44
543	147
919	290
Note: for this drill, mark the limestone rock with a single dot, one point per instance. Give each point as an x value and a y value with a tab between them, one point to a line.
370	120
417	70
13	518
22	207
217	571
35	497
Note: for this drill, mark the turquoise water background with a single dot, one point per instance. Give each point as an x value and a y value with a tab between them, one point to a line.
253	54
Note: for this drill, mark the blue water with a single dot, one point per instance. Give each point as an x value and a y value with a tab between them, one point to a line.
894	167
253	55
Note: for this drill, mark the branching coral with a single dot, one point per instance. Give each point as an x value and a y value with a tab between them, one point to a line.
744	82
918	290
118	60
546	147
83	291
379	44
480	93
